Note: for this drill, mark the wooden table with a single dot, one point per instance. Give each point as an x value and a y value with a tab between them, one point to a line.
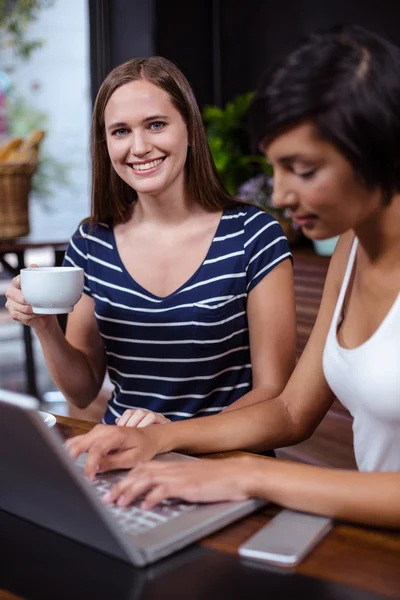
365	558
18	247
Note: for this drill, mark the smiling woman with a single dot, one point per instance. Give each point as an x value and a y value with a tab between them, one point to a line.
189	298
147	146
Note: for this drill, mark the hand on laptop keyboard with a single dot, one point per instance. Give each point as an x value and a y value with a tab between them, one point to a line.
110	447
133	519
197	481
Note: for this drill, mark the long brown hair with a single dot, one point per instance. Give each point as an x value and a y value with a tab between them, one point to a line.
112	198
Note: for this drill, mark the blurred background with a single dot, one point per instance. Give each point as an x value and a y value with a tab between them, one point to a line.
54	54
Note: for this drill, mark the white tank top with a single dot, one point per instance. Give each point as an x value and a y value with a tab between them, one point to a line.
366	380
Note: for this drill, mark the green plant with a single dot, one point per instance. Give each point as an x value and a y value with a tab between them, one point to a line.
225	128
15	18
246	176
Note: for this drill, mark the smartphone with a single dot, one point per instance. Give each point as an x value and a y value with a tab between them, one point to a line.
287	538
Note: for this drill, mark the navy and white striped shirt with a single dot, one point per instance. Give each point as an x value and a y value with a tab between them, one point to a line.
186	354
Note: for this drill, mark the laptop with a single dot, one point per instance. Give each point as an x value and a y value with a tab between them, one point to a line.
41	483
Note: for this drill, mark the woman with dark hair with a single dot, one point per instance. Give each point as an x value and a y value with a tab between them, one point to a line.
328	119
188	299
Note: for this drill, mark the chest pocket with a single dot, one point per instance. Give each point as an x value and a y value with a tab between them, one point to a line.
220	328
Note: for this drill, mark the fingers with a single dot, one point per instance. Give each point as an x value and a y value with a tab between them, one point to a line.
160	419
202	481
150	419
16	282
122	420
124	459
157	495
78	445
97	443
16	304
14	293
18	309
131	418
139	418
125	444
72	446
161	480
126	490
153	478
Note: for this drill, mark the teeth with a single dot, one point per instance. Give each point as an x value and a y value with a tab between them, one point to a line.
148	165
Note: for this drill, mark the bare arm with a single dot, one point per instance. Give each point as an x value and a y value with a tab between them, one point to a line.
371	498
368	498
271	315
77	361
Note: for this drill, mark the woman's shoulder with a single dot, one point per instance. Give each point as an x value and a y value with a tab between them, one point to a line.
247	213
93	232
259	223
341	254
340	261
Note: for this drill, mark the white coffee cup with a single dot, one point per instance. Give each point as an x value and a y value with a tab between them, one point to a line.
52	290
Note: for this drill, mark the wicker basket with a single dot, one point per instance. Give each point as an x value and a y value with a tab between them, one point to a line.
15	186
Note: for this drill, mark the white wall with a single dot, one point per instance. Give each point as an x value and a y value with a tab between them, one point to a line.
56	80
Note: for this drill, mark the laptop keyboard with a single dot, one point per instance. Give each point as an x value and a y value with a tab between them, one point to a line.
132	518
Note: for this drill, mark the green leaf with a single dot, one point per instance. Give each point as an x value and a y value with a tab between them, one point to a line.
15	19
212	112
226	135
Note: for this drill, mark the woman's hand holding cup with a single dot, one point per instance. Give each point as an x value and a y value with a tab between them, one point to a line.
19	308
37	294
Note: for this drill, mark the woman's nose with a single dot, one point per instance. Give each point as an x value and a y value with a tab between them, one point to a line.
140	145
278	193
282	196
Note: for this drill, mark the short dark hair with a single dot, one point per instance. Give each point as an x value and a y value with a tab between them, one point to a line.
346	81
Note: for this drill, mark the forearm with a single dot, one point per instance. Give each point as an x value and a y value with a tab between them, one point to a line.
261	426
368	498
69	367
255	396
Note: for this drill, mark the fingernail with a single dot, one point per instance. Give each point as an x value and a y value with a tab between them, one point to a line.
121	500
106	497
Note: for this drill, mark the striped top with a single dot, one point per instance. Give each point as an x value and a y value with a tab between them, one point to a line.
186	354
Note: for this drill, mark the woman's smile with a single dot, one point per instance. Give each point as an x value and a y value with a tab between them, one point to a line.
146	168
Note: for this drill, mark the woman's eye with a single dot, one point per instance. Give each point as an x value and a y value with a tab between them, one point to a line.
119	132
156	125
306	174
